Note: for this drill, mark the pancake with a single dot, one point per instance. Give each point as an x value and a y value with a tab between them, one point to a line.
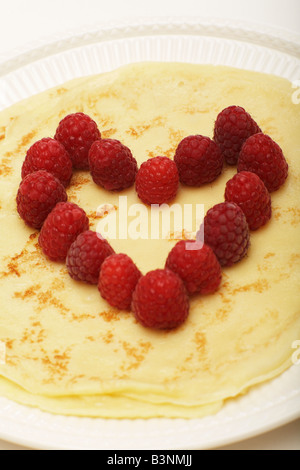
66	350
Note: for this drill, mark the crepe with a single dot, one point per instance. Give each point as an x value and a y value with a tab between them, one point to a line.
66	350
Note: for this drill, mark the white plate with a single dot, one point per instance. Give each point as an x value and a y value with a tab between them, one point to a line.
45	65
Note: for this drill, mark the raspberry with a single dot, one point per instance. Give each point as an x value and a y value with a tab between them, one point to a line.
118	279
199	269
61	228
157	181
226	231
86	255
248	191
77	132
199	160
38	194
112	165
48	154
232	128
261	155
160	300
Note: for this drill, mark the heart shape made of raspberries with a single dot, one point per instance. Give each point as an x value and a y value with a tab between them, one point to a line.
160	298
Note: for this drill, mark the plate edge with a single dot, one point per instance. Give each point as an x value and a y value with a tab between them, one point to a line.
272	37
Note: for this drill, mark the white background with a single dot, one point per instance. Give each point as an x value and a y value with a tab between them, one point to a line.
25	22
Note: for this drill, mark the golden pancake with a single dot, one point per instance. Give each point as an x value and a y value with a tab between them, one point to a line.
66	350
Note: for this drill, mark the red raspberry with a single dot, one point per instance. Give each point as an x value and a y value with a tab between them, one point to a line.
48	154
112	165
160	300
261	155
226	231
232	128
37	196
199	269
248	191
77	132
61	228
199	160
86	255
157	181
118	279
